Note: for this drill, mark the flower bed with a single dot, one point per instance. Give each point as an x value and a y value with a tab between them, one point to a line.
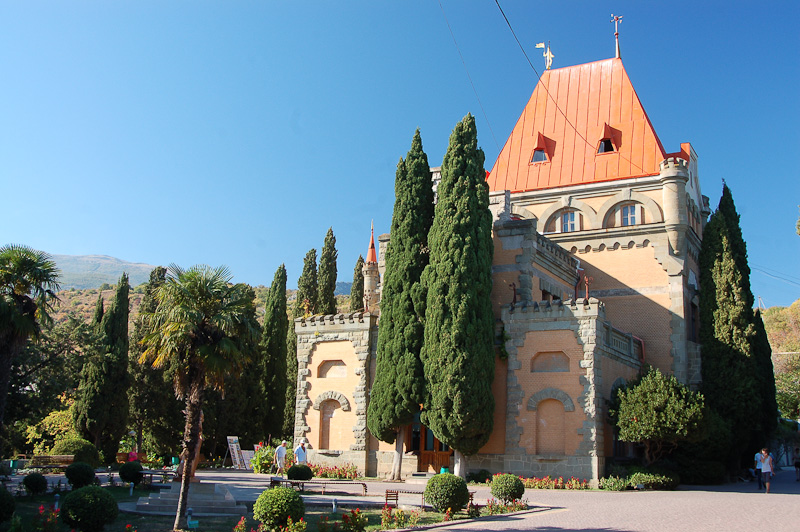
346	471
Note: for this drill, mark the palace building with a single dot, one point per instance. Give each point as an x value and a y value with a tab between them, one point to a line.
597	231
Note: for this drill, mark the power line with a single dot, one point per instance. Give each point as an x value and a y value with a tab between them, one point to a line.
480	104
547	91
778	277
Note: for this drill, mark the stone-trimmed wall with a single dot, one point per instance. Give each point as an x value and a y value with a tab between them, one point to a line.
360	329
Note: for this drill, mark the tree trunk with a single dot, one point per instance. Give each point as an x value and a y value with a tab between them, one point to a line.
397	463
191	439
460	465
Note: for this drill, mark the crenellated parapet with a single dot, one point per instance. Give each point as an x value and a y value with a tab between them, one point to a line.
674	165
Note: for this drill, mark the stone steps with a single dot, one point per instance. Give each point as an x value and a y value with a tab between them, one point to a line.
204	499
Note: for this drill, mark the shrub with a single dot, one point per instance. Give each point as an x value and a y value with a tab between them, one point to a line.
300	472
83	450
7	505
482	477
79	474
89	509
653	481
507	487
35	483
613	484
131	472
447	491
702	473
274	506
343	471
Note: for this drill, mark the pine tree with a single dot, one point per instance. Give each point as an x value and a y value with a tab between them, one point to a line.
458	355
327	275
399	384
357	290
273	354
101	409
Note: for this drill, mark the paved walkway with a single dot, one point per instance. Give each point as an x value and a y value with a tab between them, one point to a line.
733	507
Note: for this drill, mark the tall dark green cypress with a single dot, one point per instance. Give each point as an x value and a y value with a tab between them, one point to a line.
726	333
327	275
305	303
765	373
154	411
357	290
458	355
399	384
273	354
99	309
101	408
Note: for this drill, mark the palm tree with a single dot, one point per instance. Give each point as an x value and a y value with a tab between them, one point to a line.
28	286
199	327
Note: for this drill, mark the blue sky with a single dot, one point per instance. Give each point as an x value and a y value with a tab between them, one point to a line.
237	132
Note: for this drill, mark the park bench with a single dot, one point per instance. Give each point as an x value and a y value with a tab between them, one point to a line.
391	496
295	484
59	461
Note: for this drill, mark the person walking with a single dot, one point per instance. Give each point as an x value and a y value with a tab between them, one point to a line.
300	454
797	464
757	459
767	466
280	457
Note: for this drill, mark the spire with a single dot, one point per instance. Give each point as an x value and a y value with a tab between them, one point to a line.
616	20
371	255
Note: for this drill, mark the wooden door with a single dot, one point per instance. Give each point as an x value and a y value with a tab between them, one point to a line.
433	455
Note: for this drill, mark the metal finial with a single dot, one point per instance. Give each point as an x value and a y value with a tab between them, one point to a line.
547	54
616	20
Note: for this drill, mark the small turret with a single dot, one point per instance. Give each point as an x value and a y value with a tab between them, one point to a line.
372	296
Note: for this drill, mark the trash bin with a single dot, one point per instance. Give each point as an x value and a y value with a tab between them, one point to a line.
15	464
176	460
444	470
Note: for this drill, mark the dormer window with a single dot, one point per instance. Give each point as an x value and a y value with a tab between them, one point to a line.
605	146
539	156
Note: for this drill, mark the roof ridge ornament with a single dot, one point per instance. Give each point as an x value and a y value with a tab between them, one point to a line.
616	20
547	54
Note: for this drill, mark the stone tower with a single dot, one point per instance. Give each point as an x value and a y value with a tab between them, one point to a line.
372	296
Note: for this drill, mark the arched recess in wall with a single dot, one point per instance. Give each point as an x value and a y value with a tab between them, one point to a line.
331	394
329	432
550	425
651	208
551	393
332	369
589	214
550	362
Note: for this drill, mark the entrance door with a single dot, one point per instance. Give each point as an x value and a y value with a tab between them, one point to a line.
433	454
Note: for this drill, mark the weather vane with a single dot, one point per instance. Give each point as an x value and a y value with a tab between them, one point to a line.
616	20
547	54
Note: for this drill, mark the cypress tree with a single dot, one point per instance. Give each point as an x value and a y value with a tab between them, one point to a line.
726	332
305	304
357	290
97	319
458	355
101	408
765	374
153	408
327	275
273	354
399	383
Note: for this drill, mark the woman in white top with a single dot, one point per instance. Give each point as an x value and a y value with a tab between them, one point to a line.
766	466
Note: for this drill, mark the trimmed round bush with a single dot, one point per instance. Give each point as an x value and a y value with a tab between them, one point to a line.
84	451
274	507
131	472
447	491
35	483
79	474
507	487
7	505
300	472
89	509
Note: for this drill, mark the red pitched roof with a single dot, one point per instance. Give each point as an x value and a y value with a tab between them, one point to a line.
372	257
599	102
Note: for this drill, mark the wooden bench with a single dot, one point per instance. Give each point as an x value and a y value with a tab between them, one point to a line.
392	496
42	461
275	482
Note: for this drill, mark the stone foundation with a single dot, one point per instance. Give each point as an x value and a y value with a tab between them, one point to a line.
581	467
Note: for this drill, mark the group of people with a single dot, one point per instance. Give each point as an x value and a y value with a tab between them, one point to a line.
300	456
765	468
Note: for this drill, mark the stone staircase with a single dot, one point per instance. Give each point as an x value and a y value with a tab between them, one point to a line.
204	500
419	478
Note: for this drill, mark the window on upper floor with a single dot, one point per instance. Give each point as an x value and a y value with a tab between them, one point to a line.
605	146
629	214
568	222
539	156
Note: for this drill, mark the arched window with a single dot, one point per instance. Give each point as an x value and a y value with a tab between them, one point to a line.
625	215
